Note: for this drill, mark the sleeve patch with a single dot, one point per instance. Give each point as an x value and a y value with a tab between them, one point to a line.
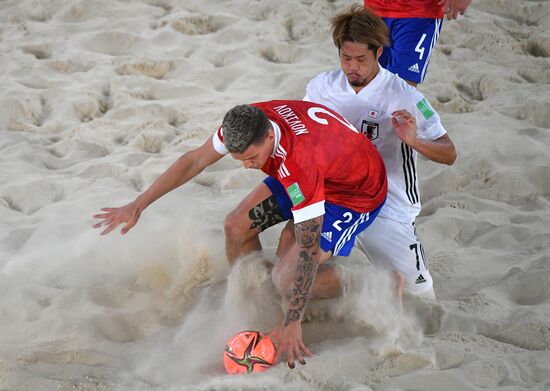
295	194
425	109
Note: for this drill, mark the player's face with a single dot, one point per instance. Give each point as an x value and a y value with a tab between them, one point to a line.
359	64
255	156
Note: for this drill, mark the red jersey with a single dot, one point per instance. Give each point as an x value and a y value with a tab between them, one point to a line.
319	156
405	8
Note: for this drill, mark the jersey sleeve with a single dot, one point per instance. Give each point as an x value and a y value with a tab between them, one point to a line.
305	188
217	142
312	90
428	122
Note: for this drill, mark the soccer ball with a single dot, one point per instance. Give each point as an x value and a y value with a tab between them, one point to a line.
247	352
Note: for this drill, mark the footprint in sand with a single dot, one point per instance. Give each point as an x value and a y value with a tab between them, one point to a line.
195	25
487	374
32	196
524	328
40	52
70	66
115	43
398	363
28	114
280	54
529	287
154	69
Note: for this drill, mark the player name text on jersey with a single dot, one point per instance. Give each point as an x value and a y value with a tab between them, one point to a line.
291	119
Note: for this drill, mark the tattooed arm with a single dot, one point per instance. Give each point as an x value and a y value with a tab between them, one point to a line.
290	333
307	236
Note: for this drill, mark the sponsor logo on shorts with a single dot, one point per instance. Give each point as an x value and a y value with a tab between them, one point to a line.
414	68
420	279
295	194
425	109
327	235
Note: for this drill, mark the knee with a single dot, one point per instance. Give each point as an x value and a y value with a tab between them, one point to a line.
286	240
236	226
281	281
287	234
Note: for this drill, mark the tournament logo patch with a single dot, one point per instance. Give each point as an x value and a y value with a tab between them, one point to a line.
370	129
295	194
425	109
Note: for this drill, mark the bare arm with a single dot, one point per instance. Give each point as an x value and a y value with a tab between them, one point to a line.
308	234
441	150
184	169
188	166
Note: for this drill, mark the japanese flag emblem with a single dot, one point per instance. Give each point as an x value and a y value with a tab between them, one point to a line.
373	113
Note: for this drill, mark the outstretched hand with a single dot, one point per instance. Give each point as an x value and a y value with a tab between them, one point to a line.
113	217
289	341
405	126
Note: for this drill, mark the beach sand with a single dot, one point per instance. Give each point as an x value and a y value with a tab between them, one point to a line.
98	98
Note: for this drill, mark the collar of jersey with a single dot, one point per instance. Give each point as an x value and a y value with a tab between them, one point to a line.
277	132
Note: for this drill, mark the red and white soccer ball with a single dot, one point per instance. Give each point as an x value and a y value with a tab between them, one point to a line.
247	352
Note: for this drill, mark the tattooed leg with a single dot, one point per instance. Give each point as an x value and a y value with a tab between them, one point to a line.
266	214
242	226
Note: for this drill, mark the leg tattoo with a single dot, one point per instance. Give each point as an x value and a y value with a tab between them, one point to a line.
266	214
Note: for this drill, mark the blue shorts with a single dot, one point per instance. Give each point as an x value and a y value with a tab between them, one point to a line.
340	225
412	42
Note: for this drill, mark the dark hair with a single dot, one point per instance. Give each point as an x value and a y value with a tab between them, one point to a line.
356	24
243	126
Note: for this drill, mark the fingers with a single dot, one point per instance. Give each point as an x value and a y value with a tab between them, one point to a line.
401	116
113	217
290	360
109	228
401	113
104	215
296	352
452	13
299	357
112	223
306	350
128	226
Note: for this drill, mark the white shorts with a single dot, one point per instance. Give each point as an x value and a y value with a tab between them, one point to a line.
393	245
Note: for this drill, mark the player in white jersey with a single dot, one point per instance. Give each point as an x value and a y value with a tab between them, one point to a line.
375	100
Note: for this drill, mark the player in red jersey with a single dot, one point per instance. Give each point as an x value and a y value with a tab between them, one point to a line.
323	174
414	27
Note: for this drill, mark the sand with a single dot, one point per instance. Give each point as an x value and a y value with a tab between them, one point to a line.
98	98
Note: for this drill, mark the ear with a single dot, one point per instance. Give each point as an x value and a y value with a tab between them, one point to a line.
379	52
270	135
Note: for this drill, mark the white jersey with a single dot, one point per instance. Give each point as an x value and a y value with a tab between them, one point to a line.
370	111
